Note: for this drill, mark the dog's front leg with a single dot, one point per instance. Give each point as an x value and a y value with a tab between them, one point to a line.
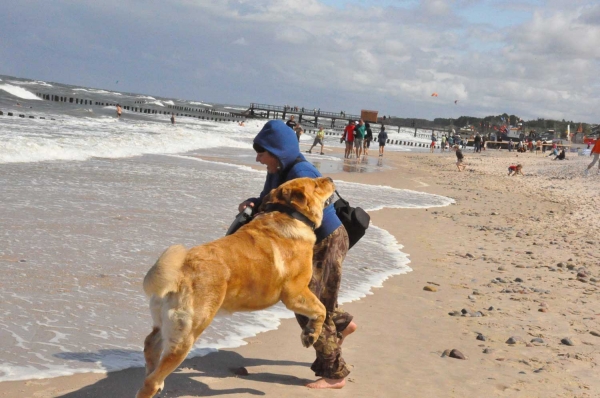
307	304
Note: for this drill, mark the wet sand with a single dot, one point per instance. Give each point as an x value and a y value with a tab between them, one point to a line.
508	276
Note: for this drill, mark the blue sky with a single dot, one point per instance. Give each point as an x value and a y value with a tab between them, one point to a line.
536	58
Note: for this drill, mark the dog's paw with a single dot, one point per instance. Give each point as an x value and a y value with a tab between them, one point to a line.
308	337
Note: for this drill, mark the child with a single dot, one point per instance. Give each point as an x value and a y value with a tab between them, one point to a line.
382	138
514	170
459	158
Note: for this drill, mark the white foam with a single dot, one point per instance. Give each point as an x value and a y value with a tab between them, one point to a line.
37	82
76	138
200	103
169	102
19	92
156	103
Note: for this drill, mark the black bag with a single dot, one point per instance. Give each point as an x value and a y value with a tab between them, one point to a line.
355	219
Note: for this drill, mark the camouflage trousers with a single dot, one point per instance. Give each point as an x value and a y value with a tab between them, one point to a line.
325	283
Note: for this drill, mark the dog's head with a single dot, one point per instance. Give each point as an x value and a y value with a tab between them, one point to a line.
308	196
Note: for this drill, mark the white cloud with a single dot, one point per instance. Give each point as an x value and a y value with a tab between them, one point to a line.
305	52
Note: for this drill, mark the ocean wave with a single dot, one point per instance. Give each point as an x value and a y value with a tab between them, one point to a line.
19	92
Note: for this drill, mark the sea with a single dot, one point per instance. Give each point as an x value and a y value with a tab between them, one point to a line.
89	202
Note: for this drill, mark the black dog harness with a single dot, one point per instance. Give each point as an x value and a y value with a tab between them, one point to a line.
271	207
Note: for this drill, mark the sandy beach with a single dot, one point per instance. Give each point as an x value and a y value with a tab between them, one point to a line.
507	276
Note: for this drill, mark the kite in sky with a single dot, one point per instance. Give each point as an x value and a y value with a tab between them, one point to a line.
117	82
456	101
434	94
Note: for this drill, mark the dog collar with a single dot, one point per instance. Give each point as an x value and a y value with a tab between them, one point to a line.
290	212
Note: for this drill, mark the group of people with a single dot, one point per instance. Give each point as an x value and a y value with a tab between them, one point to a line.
447	142
359	136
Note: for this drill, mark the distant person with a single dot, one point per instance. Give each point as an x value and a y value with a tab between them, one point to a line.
359	136
318	140
544	146
368	138
477	143
596	153
433	141
459	158
299	131
119	111
348	138
561	155
515	169
291	123
242	123
172	118
382	139
443	146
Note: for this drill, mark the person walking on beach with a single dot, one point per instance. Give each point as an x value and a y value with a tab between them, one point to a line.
348	137
318	140
443	146
291	123
382	139
433	141
477	143
277	148
172	118
596	154
368	138
119	111
459	158
299	131
359	136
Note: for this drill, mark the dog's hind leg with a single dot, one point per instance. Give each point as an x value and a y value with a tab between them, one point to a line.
307	304
153	342
177	340
182	324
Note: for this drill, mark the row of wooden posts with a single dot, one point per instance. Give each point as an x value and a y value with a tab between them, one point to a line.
216	116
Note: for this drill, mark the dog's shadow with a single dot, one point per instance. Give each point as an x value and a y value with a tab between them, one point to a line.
186	380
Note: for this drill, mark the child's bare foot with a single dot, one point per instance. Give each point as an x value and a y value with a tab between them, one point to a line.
351	328
327	383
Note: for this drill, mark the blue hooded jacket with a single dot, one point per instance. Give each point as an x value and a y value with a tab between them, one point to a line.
281	141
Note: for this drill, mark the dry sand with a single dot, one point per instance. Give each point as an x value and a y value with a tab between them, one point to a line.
520	255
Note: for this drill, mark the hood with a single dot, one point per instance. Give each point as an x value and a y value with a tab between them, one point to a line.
280	140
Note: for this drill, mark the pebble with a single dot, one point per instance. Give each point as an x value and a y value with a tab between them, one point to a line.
594	333
469	255
514	340
567	341
502	268
456	354
491	309
481	337
538	340
543	310
470	297
455	313
446	353
518	280
489	351
430	288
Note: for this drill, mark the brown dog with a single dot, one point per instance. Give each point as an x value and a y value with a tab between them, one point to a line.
265	261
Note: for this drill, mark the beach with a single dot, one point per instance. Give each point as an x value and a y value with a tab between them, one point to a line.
506	275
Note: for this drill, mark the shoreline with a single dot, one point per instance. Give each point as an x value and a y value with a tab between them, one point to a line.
403	330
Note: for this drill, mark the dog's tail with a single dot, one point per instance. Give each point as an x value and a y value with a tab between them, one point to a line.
164	276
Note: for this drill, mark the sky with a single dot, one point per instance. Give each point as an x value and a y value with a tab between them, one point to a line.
531	58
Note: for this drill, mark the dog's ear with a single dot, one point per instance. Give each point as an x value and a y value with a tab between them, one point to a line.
297	198
292	196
